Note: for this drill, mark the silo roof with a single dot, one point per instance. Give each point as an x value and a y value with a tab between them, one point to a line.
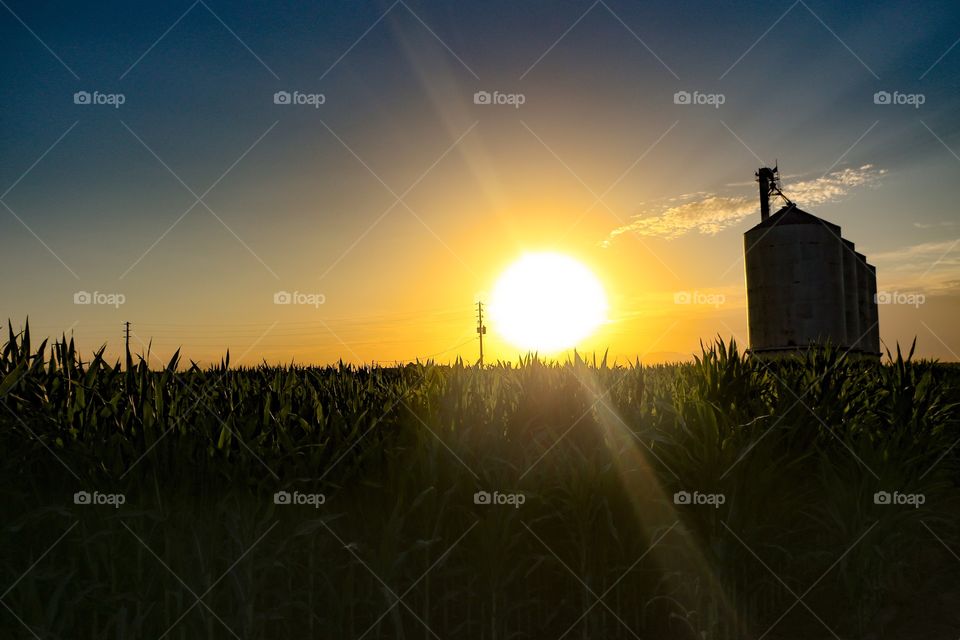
791	214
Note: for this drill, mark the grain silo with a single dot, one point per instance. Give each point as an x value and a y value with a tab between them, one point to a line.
806	284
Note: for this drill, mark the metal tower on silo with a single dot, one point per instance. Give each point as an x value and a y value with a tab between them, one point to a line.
806	284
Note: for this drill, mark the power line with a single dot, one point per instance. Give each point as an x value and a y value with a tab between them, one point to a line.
415	315
457	346
301	336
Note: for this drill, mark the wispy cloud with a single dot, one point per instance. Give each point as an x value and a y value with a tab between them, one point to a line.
835	185
934	225
929	267
710	213
923	254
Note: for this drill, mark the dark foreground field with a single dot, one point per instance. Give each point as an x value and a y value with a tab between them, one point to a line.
818	498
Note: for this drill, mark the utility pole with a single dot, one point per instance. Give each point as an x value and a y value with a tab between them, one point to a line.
126	341
481	329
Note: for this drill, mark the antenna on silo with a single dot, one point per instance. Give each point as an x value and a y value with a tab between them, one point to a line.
769	180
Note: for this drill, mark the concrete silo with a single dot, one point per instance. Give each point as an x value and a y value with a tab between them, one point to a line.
872	345
851	303
864	300
806	285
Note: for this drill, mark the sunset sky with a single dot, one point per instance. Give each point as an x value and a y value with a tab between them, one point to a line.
398	201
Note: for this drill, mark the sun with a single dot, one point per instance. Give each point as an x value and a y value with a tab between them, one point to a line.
547	302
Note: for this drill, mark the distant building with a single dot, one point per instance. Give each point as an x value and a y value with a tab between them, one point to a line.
806	284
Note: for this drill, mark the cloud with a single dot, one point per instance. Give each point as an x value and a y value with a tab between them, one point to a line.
920	252
834	186
929	267
710	213
934	225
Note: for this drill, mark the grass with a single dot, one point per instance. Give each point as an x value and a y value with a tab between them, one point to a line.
399	549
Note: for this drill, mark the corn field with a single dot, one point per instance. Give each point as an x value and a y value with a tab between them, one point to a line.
731	497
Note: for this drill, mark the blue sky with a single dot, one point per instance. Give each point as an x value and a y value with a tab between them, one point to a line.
99	193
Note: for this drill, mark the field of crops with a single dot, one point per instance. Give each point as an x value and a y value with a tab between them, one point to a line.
816	497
